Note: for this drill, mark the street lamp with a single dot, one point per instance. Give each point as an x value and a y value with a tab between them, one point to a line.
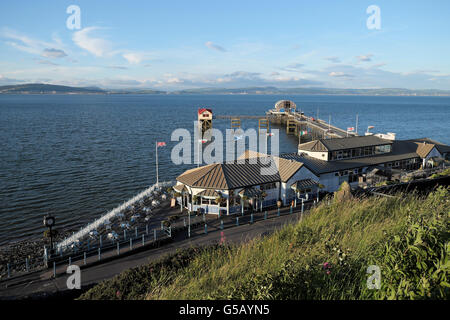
49	222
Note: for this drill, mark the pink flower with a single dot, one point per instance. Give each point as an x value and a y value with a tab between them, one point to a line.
326	265
328	272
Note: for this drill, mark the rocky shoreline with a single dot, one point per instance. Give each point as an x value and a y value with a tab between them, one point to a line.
16	254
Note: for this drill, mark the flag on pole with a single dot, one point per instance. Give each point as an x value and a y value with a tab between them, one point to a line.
350	129
202	140
303	132
370	127
269	134
160	144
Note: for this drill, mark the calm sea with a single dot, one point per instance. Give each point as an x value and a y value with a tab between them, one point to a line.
78	156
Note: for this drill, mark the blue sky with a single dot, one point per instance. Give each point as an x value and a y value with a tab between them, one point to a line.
173	45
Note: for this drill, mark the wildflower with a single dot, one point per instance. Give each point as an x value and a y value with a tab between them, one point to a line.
328	272
326	265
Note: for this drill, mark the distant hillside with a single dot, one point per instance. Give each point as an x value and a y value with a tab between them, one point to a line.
40	88
312	91
136	91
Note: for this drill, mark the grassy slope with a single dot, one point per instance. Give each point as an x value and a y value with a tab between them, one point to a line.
408	238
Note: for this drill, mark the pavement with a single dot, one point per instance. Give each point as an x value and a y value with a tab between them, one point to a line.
42	283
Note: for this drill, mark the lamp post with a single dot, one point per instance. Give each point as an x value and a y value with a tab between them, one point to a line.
49	222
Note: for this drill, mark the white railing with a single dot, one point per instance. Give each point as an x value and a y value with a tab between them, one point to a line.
111	214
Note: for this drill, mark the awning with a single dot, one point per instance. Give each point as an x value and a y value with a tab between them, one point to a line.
304	184
180	188
210	193
251	192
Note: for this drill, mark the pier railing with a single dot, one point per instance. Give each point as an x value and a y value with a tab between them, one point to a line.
111	214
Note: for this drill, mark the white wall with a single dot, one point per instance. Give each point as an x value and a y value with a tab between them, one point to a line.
303	173
433	153
330	181
318	155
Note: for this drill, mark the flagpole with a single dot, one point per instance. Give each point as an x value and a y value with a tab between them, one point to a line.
198	156
157	177
356	129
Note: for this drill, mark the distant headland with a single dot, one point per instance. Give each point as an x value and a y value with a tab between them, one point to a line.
41	88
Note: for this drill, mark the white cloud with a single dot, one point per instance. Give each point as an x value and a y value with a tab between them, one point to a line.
333	59
339	74
135	57
365	58
216	47
53	53
97	46
41	61
27	44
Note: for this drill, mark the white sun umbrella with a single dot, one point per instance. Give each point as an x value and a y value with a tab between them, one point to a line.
93	233
112	235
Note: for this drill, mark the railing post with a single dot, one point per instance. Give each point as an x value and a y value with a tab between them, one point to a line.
237	221
206	228
84	258
265	215
45	256
251	218
99	254
118	247
131	243
221	224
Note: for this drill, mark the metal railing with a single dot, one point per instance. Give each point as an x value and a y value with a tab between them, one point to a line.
111	214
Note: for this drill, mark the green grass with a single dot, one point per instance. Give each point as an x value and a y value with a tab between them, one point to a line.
443	173
407	237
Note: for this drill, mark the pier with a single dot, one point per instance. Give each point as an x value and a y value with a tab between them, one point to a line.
295	122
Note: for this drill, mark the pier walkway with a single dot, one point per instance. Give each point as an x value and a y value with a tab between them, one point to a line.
296	122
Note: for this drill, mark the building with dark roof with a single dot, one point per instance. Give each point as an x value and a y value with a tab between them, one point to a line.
258	180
